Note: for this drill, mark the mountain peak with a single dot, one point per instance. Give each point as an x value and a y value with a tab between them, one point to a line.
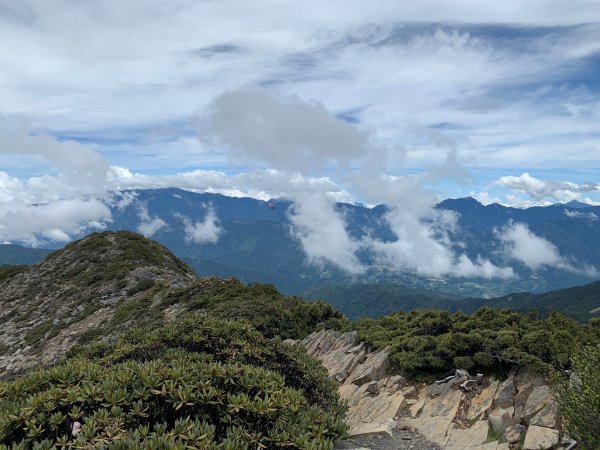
464	202
577	204
102	278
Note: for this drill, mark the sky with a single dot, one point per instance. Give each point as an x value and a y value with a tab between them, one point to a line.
402	102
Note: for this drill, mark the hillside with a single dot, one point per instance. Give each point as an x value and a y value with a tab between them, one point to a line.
376	300
580	302
149	333
46	308
107	282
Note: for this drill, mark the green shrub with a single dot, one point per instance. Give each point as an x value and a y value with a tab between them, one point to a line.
579	397
204	383
430	343
190	402
270	312
225	341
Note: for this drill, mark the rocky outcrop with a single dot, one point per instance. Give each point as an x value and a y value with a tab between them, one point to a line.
99	281
488	415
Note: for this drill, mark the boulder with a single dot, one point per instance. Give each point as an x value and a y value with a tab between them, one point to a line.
373	368
437	413
500	419
526	376
505	394
540	396
540	438
482	401
375	409
470	437
520	401
385	427
547	417
416	407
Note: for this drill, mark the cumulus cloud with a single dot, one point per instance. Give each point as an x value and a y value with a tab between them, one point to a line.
286	132
148	225
207	231
50	207
560	191
263	184
423	245
56	221
289	132
76	163
322	232
522	245
581	215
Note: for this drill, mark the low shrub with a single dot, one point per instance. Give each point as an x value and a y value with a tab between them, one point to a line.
204	382
428	343
578	396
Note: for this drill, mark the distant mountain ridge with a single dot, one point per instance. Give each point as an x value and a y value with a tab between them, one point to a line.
377	300
256	244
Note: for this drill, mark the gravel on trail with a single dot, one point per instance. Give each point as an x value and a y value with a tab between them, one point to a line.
404	438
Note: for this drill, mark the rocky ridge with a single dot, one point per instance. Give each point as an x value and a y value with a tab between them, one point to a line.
103	279
518	412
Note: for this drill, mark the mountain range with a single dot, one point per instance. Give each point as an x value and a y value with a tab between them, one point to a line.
253	241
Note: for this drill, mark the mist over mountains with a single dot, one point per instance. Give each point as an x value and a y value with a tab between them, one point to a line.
535	249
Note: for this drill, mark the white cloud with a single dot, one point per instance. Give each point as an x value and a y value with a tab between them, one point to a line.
50	207
207	231
57	221
77	164
322	232
423	246
386	65
581	215
285	132
522	245
263	184
149	225
561	191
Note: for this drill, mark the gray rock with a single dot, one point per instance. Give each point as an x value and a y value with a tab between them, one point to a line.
521	400
373	368
540	438
547	416
500	419
505	395
514	433
540	396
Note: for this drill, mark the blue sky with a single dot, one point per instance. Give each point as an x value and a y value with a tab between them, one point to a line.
497	101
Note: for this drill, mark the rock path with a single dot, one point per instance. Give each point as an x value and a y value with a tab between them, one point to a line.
402	439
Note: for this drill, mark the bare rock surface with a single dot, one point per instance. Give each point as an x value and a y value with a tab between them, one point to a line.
540	437
385	412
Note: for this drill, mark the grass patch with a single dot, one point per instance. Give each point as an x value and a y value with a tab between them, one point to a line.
7	272
143	285
38	332
493	435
